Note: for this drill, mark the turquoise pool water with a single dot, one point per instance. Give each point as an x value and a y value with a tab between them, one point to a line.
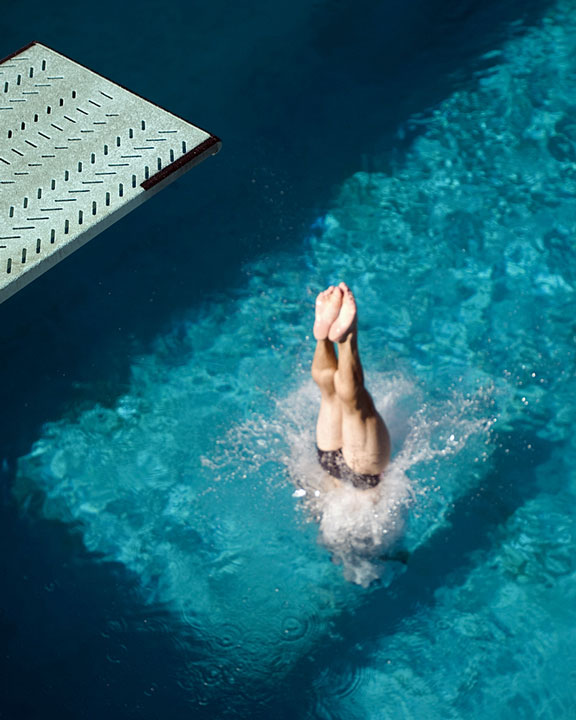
453	595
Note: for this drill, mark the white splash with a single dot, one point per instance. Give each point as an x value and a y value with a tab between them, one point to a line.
362	528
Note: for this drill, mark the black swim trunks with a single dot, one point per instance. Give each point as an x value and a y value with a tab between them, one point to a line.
333	462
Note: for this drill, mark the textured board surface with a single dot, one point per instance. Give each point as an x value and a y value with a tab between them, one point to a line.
77	152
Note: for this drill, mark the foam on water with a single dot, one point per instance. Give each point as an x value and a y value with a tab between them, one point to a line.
462	264
362	529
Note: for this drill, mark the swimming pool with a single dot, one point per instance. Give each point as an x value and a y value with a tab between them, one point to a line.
157	557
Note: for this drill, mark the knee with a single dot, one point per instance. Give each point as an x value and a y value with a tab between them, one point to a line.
351	393
324	378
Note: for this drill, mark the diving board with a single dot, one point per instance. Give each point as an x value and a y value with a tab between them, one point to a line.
77	153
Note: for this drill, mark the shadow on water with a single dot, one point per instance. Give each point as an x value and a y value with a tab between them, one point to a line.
300	103
73	643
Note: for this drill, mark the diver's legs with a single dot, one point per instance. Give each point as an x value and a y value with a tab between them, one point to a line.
365	438
324	365
329	424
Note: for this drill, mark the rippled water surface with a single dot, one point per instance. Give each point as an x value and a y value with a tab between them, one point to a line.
204	566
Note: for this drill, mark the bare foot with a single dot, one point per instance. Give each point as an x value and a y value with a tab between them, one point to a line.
327	309
346	320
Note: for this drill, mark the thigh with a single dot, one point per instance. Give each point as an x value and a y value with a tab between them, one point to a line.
365	438
329	424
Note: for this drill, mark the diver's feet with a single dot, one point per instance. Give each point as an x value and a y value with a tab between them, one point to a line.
327	308
346	320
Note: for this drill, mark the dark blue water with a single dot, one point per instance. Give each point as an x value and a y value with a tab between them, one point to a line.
421	151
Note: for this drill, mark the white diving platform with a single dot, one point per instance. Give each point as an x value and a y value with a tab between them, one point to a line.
77	153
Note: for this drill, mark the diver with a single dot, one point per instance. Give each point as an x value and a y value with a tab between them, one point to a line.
352	440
